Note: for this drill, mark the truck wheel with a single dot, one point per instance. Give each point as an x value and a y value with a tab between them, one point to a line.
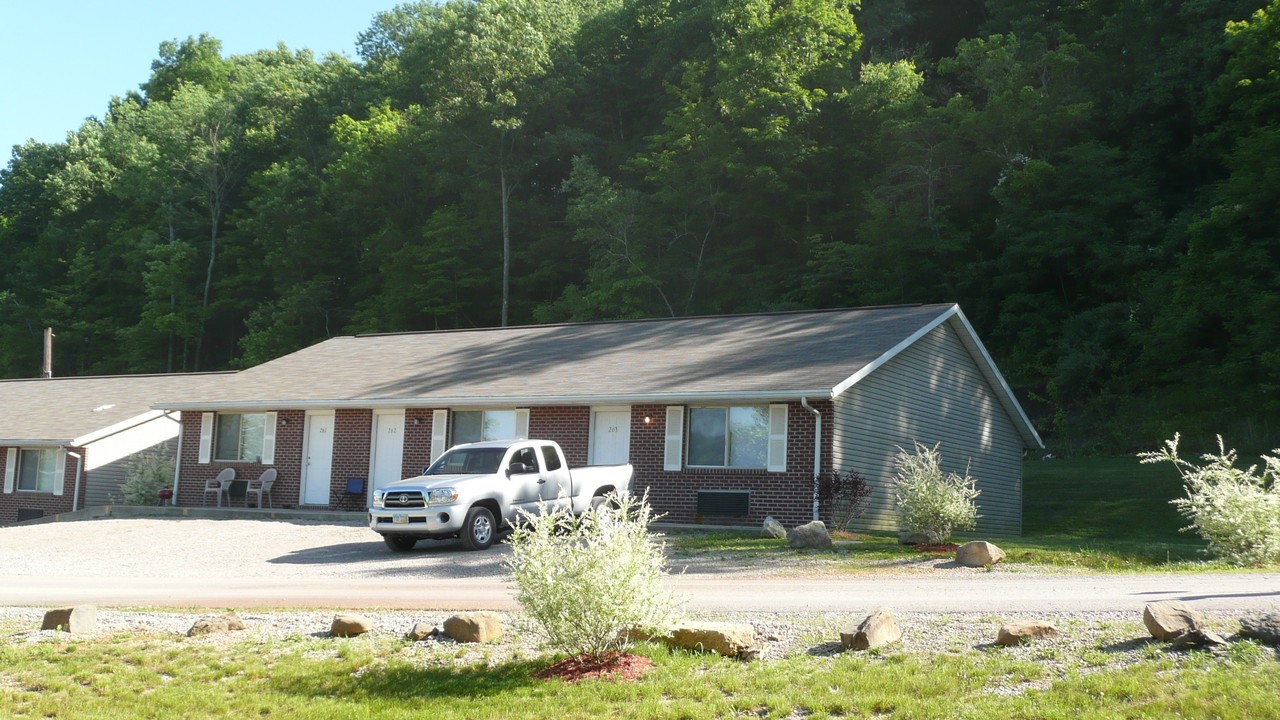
478	529
400	543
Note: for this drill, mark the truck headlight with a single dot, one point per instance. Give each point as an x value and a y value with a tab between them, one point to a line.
442	496
378	498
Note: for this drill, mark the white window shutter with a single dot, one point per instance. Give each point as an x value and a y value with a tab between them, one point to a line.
206	437
777	461
59	472
10	468
673	450
269	439
439	432
522	424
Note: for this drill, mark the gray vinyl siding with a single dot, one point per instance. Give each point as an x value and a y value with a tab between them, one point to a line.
931	392
103	483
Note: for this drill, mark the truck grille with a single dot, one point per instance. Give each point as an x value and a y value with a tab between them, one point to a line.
403	499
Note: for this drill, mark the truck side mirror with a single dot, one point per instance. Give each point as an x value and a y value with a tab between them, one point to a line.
517	468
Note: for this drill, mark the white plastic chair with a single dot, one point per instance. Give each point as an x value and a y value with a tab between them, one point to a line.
221	485
260	487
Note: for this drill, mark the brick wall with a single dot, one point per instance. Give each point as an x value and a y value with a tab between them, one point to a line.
51	504
417	441
568	426
352	434
787	496
194	475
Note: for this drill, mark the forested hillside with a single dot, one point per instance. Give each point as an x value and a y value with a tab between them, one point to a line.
1096	183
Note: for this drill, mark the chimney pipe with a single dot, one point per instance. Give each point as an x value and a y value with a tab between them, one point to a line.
47	370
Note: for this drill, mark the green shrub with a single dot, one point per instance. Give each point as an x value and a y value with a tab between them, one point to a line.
586	581
1236	510
931	501
148	473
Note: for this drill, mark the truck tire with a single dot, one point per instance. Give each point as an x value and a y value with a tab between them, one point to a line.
400	543
478	529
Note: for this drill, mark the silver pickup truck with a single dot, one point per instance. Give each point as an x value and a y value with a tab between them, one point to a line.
473	491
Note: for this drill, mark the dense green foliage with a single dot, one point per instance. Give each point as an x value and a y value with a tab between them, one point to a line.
1095	183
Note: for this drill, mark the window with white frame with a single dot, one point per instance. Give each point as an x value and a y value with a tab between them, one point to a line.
735	436
476	425
239	436
36	469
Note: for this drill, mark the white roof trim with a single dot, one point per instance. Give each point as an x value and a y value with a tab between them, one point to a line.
986	364
33	442
497	401
115	428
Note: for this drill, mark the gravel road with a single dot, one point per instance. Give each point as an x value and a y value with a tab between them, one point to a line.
188	562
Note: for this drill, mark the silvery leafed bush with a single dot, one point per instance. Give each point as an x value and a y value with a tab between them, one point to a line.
932	501
591	582
1236	510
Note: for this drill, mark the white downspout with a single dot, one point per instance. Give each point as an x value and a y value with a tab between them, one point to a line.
177	458
75	499
817	452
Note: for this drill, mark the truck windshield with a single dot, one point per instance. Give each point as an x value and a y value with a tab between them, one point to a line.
467	461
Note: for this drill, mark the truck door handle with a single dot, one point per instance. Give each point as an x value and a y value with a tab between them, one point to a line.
542	481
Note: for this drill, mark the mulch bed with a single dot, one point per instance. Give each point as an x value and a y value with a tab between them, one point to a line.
611	666
943	548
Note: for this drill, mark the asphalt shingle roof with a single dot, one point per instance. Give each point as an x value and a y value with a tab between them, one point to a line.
782	353
64	408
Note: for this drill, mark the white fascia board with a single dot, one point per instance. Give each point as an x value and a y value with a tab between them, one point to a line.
34	442
119	427
1010	401
892	352
463	401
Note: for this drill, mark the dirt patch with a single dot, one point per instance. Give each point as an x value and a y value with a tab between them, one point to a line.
943	548
611	666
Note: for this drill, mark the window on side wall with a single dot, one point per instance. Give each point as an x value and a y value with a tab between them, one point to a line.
735	436
238	437
476	425
36	469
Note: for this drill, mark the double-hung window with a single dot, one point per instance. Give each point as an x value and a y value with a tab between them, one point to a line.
735	436
476	425
36	469
239	437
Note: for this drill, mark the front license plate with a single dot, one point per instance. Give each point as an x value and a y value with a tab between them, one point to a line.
400	518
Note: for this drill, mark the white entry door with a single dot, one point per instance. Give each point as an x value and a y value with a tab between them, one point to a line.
610	437
317	465
388	447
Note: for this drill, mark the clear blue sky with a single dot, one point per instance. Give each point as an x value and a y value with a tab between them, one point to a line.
62	61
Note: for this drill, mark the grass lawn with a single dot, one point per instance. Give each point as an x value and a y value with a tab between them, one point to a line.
153	676
1100	514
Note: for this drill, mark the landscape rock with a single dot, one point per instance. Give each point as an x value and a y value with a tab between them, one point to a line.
78	619
474	627
1264	627
735	640
810	535
422	631
906	537
978	553
773	529
877	629
1017	633
1168	619
1199	638
348	625
220	624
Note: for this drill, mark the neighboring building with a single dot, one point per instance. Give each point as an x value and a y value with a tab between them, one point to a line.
65	443
726	419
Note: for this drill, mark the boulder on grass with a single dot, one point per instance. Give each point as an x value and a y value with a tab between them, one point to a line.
810	535
1168	619
978	553
348	625
1264	627
1017	633
907	537
221	624
78	619
773	529
474	627
735	640
877	629
1199	638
